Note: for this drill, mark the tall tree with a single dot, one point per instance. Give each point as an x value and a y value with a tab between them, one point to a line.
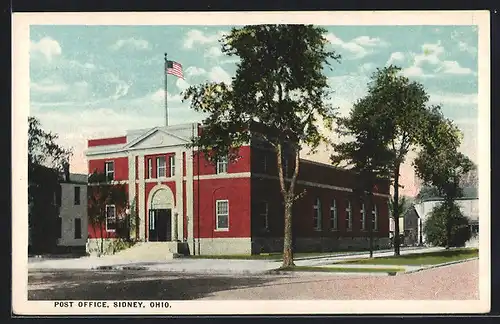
399	107
280	86
440	164
367	153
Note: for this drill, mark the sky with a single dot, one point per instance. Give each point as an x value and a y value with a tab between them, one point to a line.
97	81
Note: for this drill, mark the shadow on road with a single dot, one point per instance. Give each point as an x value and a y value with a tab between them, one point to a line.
131	285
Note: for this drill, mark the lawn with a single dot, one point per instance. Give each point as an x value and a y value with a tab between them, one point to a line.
420	258
340	269
268	256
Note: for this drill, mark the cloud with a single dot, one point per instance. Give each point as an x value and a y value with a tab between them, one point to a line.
132	43
453	67
464	47
367	68
195	71
195	36
48	86
430	58
182	84
357	46
218	74
47	47
213	52
395	57
462	99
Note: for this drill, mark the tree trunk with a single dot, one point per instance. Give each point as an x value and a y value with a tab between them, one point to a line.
287	239
449	223
372	219
396	210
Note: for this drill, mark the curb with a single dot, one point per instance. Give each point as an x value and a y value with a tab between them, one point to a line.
438	265
353	253
179	271
332	273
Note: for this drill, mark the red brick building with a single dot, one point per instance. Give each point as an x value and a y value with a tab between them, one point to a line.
232	208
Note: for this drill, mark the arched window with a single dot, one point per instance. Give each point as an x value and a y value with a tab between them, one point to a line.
375	217
317	215
333	216
348	215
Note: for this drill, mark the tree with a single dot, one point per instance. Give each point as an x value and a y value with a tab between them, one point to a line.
101	193
46	159
443	217
279	94
427	192
399	107
440	164
366	154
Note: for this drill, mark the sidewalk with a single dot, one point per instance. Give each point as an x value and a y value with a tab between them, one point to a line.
195	266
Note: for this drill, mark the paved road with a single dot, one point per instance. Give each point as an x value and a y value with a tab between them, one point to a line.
458	281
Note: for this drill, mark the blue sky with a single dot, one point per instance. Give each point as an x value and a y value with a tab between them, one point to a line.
92	81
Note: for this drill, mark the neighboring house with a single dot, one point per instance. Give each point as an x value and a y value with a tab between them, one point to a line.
468	205
44	200
73	217
231	208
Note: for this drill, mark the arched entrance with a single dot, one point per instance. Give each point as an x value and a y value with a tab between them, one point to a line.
160	205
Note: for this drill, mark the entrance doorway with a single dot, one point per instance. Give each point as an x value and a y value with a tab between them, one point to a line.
160	225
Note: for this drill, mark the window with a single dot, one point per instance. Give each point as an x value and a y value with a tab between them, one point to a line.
222	166
317	215
59	227
375	217
78	228
348	215
77	195
171	163
363	217
110	218
110	170
161	167
263	210
333	215
150	168
222	214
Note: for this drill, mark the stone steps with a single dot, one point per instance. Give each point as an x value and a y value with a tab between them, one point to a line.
150	251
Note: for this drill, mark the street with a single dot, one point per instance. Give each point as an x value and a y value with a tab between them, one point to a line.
459	281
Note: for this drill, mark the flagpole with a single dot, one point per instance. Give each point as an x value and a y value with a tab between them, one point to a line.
166	95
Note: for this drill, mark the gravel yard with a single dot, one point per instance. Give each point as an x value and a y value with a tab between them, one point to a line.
454	282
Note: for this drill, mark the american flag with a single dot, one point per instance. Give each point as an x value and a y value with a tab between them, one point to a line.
175	68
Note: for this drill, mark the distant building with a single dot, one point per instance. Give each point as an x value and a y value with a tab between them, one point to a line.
231	208
73	219
415	218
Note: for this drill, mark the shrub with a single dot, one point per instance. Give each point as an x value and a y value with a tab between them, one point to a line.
443	217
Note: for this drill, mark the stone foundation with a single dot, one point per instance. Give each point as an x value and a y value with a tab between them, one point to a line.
323	244
223	246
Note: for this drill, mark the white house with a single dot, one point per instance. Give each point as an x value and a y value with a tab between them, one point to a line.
468	206
73	212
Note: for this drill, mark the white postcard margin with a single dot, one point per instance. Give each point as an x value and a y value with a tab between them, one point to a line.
21	23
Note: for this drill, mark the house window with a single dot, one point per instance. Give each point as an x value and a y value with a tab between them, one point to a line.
222	214
317	215
161	167
264	214
59	227
150	168
110	218
110	170
348	215
222	166
78	228
171	163
77	195
375	217
333	215
363	217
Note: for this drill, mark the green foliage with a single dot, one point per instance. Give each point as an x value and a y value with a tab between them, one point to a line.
427	192
404	204
439	163
43	149
279	85
447	226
